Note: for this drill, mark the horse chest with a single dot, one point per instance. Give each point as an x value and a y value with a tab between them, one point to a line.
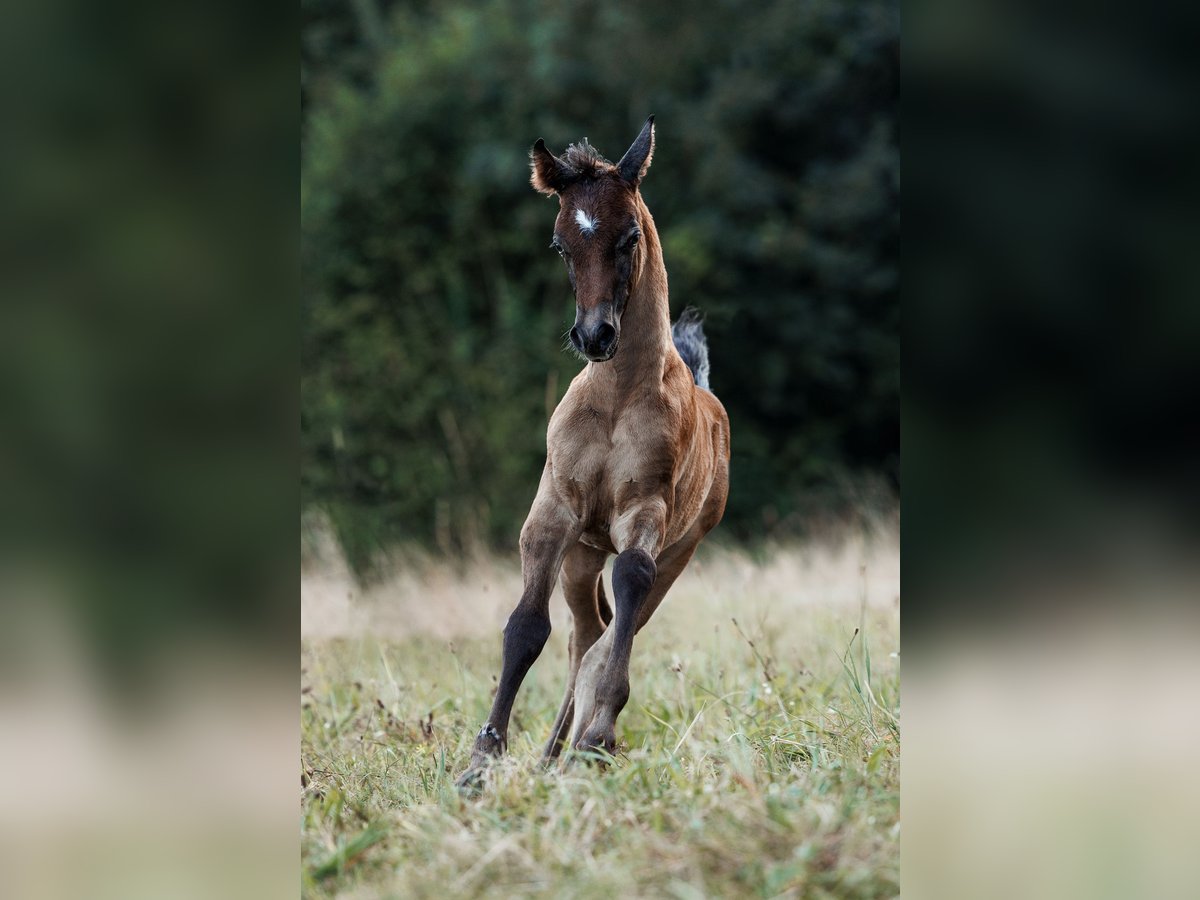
601	467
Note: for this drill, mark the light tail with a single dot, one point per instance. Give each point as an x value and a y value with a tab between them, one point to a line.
688	335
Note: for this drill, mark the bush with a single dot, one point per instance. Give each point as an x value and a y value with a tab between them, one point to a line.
433	313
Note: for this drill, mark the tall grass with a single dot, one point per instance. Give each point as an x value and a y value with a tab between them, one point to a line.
760	758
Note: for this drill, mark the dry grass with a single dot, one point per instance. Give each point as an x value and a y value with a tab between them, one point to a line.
762	757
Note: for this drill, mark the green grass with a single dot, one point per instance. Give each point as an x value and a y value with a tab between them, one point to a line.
761	759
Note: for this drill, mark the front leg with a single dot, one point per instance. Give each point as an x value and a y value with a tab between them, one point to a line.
602	687
548	532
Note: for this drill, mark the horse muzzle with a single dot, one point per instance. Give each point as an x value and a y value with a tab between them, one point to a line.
595	338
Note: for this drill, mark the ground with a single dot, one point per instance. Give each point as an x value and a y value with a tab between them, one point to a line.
760	744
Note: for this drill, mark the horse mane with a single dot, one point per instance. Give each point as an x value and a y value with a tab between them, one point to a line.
585	159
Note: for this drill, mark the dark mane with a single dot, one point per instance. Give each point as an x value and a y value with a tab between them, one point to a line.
585	159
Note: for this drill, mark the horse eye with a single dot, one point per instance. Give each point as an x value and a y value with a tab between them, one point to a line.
558	248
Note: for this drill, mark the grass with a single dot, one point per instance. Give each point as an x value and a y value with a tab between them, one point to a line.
761	759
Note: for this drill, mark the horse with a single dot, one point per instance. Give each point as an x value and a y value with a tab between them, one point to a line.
637	453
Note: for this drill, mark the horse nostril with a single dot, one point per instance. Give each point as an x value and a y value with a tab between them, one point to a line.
605	335
575	339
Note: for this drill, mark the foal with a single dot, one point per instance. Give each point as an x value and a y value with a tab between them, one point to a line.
637	459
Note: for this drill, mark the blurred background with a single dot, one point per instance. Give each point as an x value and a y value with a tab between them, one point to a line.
148	336
1051	376
433	312
148	452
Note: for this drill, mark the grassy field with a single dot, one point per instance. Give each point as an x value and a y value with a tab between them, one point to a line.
761	742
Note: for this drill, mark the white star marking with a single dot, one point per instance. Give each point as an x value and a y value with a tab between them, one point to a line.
586	223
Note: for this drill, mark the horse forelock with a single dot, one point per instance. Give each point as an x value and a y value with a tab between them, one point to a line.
586	160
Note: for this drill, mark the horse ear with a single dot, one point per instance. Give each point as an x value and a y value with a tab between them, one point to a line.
550	174
636	161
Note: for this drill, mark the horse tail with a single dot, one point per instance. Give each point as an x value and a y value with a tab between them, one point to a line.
688	335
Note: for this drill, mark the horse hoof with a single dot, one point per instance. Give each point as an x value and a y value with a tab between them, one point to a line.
598	746
489	745
470	782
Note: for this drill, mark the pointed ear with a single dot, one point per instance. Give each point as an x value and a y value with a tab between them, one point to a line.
636	161
550	174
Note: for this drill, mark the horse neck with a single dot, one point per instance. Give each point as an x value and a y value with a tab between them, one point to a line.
646	323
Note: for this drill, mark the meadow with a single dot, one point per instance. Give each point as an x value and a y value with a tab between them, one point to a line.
760	747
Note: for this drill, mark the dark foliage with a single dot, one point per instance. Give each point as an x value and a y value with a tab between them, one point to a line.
433	313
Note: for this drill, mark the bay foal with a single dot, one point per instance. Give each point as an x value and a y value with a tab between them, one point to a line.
637	459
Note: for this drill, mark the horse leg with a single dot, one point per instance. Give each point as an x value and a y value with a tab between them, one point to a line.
606	613
602	687
545	537
583	588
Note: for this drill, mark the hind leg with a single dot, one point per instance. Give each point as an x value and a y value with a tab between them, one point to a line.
584	591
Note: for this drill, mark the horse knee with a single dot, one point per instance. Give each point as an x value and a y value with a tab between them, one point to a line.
525	635
633	574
